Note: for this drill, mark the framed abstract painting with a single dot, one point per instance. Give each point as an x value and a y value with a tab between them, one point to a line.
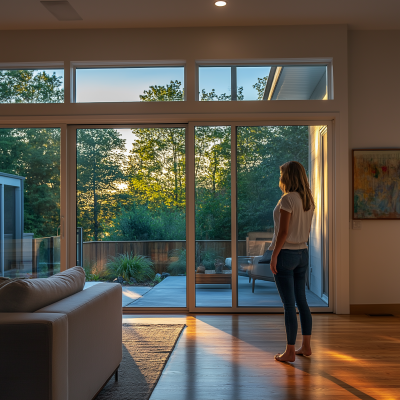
376	184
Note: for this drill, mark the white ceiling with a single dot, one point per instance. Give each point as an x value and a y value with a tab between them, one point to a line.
357	14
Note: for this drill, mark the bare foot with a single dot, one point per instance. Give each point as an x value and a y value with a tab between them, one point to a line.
303	351
285	357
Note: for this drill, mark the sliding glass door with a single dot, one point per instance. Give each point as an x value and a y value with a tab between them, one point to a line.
236	171
131	210
261	150
180	215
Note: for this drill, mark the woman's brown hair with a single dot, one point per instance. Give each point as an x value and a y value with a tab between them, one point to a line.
294	179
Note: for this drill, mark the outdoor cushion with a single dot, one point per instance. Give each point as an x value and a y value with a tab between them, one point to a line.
28	295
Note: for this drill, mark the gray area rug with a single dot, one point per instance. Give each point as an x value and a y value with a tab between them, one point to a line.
145	351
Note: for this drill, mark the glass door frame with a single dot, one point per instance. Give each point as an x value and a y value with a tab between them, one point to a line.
68	215
191	237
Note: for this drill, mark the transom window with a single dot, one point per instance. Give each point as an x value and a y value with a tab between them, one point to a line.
286	82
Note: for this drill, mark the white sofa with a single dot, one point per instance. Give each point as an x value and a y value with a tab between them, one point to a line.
66	350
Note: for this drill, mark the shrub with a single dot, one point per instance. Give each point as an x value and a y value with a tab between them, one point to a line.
208	258
93	273
157	279
141	223
132	266
91	277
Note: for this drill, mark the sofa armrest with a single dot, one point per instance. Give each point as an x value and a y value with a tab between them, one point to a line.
33	356
94	337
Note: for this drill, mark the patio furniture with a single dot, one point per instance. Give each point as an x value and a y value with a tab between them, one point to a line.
210	278
256	244
244	264
260	271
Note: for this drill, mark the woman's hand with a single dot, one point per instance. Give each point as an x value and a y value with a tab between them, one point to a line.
272	265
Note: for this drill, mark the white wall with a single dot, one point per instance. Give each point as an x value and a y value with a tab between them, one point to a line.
374	111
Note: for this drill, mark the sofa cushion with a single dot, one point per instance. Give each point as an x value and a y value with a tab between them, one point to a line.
28	295
4	281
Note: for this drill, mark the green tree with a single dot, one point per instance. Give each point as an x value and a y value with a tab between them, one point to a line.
213	182
260	87
260	153
157	167
34	153
140	223
169	92
100	179
213	96
28	86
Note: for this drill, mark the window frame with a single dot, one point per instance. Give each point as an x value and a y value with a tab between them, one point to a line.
28	66
292	62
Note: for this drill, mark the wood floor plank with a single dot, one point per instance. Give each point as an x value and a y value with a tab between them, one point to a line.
231	357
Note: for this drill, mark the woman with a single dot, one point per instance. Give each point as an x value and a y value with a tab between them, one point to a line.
289	260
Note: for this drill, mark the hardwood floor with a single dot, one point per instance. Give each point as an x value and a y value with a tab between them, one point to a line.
231	357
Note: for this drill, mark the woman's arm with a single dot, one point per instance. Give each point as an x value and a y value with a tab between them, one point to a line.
281	239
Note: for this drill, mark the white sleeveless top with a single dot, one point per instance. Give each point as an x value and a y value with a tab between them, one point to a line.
299	225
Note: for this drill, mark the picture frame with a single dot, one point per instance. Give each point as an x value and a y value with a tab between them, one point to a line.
376	184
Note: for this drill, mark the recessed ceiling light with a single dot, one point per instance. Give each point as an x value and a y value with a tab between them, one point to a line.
220	3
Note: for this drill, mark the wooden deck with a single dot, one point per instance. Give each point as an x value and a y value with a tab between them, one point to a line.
231	357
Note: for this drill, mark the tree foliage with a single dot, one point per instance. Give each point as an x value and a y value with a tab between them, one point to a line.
260	153
169	92
138	222
157	168
34	153
28	86
100	178
213	182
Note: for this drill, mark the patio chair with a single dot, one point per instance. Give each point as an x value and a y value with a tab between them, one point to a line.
260	271
256	244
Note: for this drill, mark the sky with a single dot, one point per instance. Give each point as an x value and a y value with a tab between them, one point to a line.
129	137
121	84
219	78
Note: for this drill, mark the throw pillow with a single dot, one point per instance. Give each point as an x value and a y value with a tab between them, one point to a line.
28	295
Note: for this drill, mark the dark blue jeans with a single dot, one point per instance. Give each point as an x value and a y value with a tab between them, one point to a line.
291	283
